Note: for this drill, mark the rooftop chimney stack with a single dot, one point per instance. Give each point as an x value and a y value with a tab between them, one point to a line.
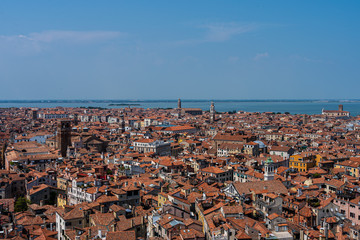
341	107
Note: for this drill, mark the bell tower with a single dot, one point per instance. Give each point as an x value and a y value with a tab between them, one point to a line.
179	110
63	136
122	123
269	170
212	112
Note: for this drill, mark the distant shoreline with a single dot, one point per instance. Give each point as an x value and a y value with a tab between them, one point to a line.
311	106
133	102
123	104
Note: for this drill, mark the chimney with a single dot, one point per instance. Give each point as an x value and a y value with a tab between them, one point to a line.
41	203
341	107
326	231
340	230
132	223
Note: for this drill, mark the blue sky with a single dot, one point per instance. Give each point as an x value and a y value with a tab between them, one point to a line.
187	49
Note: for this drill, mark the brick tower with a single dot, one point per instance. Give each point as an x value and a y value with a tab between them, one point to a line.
63	136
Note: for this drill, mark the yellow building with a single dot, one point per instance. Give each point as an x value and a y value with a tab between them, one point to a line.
351	166
162	198
302	162
61	200
318	159
62	183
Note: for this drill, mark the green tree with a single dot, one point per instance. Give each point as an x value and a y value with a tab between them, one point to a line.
21	204
316	175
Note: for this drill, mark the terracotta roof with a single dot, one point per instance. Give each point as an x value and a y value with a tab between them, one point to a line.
215	170
274	186
121	235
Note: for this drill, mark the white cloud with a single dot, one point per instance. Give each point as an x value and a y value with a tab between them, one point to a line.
66	36
38	41
261	56
220	32
306	59
75	36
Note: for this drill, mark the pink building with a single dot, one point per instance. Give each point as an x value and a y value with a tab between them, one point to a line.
350	208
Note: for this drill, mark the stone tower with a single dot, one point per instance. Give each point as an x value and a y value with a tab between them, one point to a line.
341	108
212	112
179	110
269	170
76	119
122	123
34	114
305	119
63	136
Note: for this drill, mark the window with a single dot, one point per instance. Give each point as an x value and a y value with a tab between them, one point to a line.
352	215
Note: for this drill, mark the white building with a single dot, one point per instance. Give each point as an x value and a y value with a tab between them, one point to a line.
150	145
53	115
79	192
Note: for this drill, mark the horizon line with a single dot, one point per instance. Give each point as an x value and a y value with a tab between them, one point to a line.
183	99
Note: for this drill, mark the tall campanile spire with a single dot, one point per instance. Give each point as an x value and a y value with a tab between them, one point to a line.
212	112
